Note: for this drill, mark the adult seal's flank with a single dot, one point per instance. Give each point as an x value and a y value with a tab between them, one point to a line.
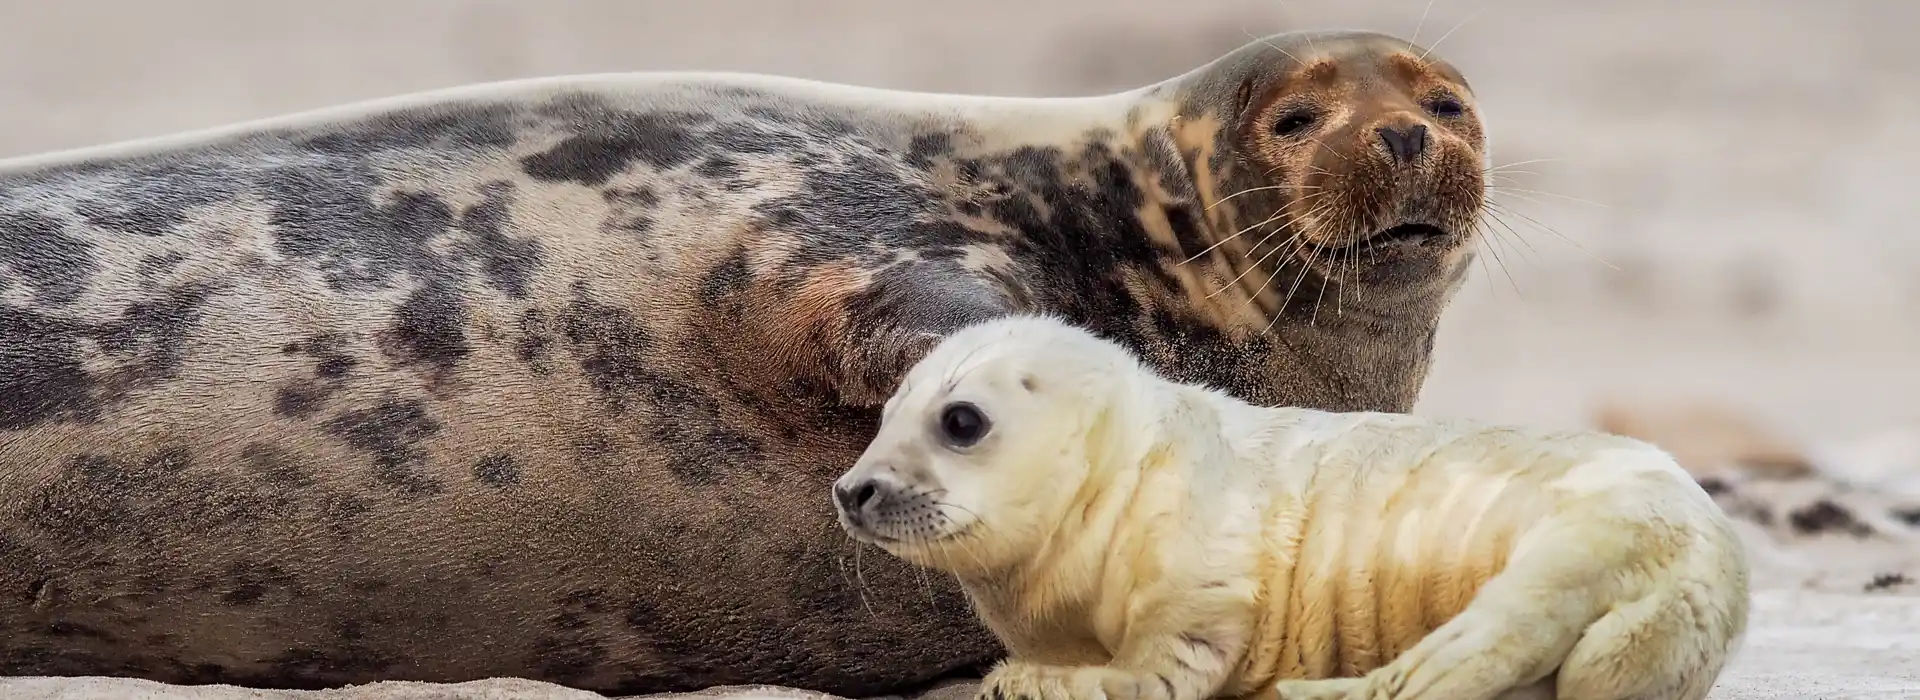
1134	538
542	378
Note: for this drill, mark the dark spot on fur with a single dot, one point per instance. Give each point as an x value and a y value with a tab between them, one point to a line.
1886	581
39	254
467	126
673	633
726	278
332	362
41	370
1714	486
497	469
1910	516
865	190
392	433
719	168
925	148
592	445
428	328
325	211
156	329
1186	231
603	148
641	197
506	262
104	500
300	399
574	649
41	375
611	344
633	209
1167	685
156	265
1824	516
274	465
249	583
535	344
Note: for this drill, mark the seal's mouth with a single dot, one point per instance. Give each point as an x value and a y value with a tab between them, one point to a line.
1392	237
905	542
1406	233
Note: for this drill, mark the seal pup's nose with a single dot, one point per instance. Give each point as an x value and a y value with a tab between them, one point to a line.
859	499
1405	144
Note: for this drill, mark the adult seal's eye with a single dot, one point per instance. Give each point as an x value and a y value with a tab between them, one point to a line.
962	424
1293	123
1446	108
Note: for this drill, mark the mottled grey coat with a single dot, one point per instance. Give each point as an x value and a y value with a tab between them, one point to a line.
549	379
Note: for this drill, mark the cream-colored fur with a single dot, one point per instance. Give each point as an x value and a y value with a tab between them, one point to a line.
1133	538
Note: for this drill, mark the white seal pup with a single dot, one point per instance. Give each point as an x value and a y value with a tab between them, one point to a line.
1127	536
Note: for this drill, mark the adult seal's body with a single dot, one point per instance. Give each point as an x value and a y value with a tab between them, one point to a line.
541	378
1133	538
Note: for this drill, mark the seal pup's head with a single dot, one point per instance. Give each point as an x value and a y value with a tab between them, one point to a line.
1356	155
988	439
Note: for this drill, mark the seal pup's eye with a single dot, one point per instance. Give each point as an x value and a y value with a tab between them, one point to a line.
962	424
1445	107
1293	123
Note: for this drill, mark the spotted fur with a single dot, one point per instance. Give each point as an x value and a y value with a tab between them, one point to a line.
548	379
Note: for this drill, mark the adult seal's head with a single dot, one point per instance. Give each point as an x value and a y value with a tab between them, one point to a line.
1357	157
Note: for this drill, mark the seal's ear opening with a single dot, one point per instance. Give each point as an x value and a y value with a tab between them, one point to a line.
1027	382
1242	99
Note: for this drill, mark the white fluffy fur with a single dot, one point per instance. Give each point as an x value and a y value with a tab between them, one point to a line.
1130	537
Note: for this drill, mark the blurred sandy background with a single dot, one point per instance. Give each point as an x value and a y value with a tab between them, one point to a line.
1748	166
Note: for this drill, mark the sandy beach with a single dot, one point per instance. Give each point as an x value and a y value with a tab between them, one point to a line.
1712	244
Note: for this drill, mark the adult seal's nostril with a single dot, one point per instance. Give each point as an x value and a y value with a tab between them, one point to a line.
1405	144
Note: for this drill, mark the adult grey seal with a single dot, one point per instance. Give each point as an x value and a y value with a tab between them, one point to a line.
1133	538
542	378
